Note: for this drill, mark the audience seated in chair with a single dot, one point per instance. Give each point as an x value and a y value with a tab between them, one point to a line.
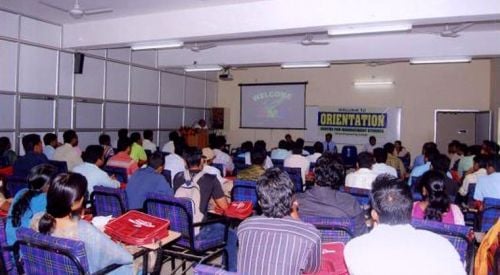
489	186
296	160
363	176
105	142
221	156
93	158
430	153
207	158
64	202
324	199
441	163
69	152
281	152
318	150
122	158
137	152
394	246
478	170
29	202
380	166
147	142
50	144
266	241
261	145
146	180
6	151
174	161
394	161
436	205
33	155
169	147
256	170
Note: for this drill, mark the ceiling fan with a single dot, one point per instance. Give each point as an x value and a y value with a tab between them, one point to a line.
309	41
77	11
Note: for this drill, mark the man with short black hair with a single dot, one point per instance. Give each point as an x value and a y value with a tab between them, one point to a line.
93	158
122	158
489	186
147	142
277	242
372	144
222	157
281	152
363	176
394	161
478	170
318	151
169	146
147	180
380	167
429	155
33	155
50	142
67	152
328	144
174	161
105	142
394	246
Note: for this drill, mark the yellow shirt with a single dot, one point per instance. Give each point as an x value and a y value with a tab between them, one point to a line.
137	153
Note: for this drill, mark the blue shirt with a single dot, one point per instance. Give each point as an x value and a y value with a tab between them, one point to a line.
37	204
23	165
419	171
49	151
419	160
143	181
330	146
488	187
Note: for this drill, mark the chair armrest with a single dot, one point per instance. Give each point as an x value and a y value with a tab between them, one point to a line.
107	269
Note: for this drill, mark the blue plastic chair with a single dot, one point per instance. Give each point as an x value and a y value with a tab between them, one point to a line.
349	156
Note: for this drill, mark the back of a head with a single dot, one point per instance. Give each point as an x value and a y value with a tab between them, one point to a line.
48	138
68	136
93	153
439	202
318	147
192	156
122	133
124	144
431	153
104	140
148	134
156	160
441	163
494	162
220	142
65	190
300	142
4	144
135	137
428	146
296	148
282	144
275	193
172	136
481	161
380	155
258	156
365	160
391	200
29	142
246	146
328	171
389	147
260	145
179	146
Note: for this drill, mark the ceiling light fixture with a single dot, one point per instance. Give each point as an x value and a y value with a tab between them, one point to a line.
301	65
157	45
202	68
363	29
437	60
372	83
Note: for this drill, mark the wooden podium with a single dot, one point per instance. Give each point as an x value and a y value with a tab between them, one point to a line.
198	139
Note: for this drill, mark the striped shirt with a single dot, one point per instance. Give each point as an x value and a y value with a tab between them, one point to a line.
278	246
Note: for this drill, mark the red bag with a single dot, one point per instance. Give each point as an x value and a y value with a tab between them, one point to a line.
332	260
239	210
137	228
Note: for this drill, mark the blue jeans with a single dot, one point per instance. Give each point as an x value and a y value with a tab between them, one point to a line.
215	230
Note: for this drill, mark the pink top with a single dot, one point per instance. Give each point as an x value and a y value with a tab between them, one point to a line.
123	160
453	216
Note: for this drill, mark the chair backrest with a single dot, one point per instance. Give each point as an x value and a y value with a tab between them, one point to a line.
415	188
109	201
280	163
14	184
470	193
177	210
62	166
7	265
490	213
244	190
349	155
332	229
239	164
119	172
361	195
178	180
220	167
44	254
460	236
296	177
168	176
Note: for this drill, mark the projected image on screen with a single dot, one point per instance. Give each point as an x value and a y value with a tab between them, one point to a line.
273	105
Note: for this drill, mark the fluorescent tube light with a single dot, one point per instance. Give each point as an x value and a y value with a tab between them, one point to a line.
434	60
157	45
372	83
353	29
299	65
202	68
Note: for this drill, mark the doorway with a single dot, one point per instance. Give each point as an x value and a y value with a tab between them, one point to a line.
467	126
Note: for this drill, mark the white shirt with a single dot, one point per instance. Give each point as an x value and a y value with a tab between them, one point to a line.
362	178
268	163
69	154
471	178
314	157
298	161
95	176
369	148
280	153
402	249
223	158
148	145
175	164
168	147
207	169
382	168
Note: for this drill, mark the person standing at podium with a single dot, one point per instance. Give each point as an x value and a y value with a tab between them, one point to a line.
201	124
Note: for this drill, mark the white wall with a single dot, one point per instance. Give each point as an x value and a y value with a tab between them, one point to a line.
418	90
118	88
